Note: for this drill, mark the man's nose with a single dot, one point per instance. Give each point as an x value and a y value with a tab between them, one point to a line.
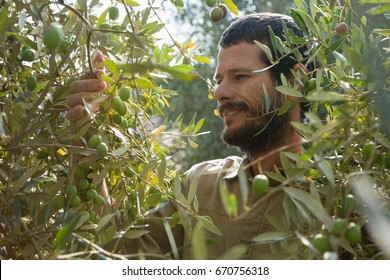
223	92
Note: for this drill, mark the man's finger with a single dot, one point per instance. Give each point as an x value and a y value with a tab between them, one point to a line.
99	58
77	98
75	113
96	73
89	85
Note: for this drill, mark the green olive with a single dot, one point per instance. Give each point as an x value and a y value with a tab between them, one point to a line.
70	191
342	29
321	243
27	55
92	194
117	27
124	93
117	119
113	13
123	109
339	226
116	103
311	84
83	185
368	150
260	184
94	140
211	3
59	201
93	217
102	149
216	14
76	201
52	37
31	83
353	234
99	200
105	25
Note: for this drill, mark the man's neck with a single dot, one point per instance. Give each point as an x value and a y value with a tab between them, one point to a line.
267	160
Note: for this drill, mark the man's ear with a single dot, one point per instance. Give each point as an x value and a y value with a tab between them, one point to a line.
295	79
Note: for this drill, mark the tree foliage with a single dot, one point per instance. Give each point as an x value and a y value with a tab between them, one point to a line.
48	201
51	169
339	180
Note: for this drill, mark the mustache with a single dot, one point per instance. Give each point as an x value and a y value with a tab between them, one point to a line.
232	106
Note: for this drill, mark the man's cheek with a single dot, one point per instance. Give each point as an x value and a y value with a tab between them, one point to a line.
254	104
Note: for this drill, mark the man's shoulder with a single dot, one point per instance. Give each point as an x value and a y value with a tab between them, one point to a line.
215	166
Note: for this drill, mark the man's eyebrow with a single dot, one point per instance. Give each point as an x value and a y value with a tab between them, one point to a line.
240	69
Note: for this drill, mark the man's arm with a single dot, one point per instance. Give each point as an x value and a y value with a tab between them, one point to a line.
158	239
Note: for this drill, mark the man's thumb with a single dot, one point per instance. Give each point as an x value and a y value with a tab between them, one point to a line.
98	58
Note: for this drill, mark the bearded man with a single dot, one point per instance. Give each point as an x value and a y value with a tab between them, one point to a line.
248	105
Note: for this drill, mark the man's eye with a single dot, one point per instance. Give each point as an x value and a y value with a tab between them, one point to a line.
241	77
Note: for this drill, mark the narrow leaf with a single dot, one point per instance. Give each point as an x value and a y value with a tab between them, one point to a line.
198	248
285	107
271	237
326	168
149	166
286	90
134	234
266	50
143	83
299	21
102	17
300	4
228	202
120	151
325	96
185	221
111	66
374	1
243	186
104	221
207	223
276	176
198	125
231	6
266	99
201	59
234	253
311	204
162	168
384	32
286	163
340	57
132	3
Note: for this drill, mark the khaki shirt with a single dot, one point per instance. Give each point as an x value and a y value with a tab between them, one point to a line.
235	231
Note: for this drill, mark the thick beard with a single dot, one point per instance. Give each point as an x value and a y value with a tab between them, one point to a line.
259	134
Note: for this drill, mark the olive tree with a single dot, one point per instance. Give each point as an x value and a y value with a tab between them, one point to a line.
51	170
336	203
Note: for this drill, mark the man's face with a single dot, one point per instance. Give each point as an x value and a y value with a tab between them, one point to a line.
249	125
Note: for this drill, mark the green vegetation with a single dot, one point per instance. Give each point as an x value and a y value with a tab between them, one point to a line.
260	184
31	83
113	13
144	135
52	37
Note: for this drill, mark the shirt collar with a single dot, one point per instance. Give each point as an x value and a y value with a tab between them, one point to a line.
232	172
